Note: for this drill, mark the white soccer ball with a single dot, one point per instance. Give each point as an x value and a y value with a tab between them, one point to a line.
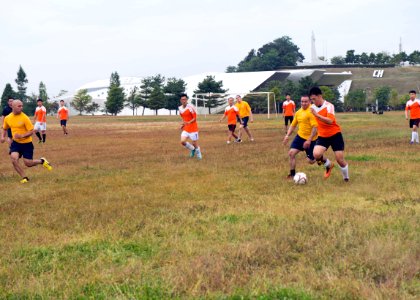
300	178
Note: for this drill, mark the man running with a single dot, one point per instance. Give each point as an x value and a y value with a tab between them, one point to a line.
289	108
22	130
305	137
63	115
189	127
329	134
231	112
413	105
40	120
245	114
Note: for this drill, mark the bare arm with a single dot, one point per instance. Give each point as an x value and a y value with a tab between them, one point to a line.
321	118
24	135
308	142
289	132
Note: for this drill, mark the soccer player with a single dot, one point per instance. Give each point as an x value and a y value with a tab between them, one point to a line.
231	112
245	114
63	115
22	130
289	108
6	111
189	127
413	105
40	120
305	137
329	134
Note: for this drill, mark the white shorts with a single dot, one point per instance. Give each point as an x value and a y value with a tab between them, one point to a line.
192	135
40	126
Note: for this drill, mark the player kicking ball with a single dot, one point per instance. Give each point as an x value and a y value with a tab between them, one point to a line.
189	127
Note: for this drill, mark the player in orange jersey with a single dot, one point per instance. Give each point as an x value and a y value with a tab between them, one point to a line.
289	108
22	130
189	127
413	105
232	113
329	134
40	120
63	115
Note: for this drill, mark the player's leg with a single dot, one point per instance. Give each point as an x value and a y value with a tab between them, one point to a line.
286	120
194	138
310	153
14	157
292	162
185	143
337	145
413	135
415	130
319	150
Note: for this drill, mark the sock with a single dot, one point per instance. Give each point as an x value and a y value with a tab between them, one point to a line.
38	135
44	137
416	136
345	171
198	151
42	160
189	146
293	172
327	163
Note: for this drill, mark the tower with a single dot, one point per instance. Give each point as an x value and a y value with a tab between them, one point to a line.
314	58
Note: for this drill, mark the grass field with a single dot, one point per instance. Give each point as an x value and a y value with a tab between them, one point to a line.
126	214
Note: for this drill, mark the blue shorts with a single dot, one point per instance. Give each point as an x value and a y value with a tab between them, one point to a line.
232	127
245	122
414	122
298	144
336	142
24	149
63	122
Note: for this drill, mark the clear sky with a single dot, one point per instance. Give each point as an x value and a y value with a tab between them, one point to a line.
69	43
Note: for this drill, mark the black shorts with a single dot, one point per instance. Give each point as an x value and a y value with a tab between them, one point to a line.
9	133
287	119
232	127
336	142
245	122
63	122
414	122
298	144
24	149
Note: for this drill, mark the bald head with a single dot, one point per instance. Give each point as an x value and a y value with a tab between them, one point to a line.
17	107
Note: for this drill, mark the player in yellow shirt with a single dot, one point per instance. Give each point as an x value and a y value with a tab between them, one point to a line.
22	131
245	114
305	137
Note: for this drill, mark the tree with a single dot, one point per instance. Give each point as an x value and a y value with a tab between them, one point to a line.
133	100
114	103
372	58
364	58
157	99
7	93
338	60
210	86
397	102
53	107
399	58
231	69
173	89
305	84
81	101
21	82
382	94
272	56
414	58
61	93
355	100
92	108
43	92
30	104
349	57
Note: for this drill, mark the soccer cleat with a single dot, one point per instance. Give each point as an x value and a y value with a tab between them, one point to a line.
40	141
227	142
46	164
252	139
238	141
290	177
192	153
328	170
24	180
411	142
346	179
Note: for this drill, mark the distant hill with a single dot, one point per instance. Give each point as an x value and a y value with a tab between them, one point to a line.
402	79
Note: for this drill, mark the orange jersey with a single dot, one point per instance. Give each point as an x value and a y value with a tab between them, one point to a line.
41	114
414	107
289	108
187	114
324	129
231	112
63	113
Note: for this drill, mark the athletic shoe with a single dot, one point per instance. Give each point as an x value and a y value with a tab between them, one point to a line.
328	170
24	180
252	139
227	142
411	142
192	153
290	177
319	162
346	179
46	164
40	141
238	141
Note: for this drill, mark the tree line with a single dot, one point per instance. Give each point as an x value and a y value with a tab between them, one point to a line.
365	58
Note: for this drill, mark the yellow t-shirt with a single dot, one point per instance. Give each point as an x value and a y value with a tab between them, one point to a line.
20	124
305	120
244	109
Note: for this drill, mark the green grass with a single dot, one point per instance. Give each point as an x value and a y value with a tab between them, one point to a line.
125	214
